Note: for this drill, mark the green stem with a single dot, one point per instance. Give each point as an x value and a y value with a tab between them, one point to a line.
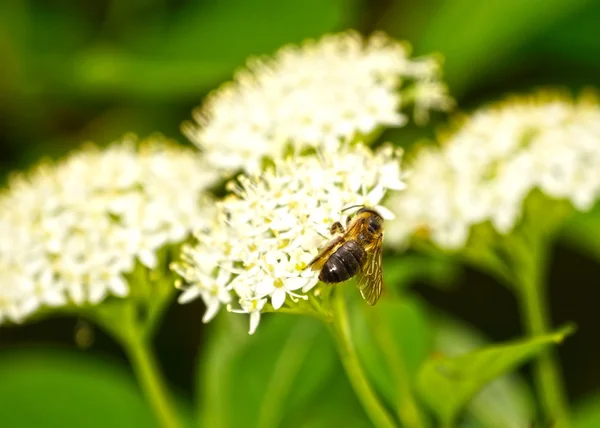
407	409
119	319
151	381
534	309
341	332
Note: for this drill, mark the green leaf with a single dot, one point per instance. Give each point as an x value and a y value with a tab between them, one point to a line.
573	40
264	377
582	232
506	402
392	343
51	388
334	405
484	34
403	270
256	27
202	46
446	384
587	414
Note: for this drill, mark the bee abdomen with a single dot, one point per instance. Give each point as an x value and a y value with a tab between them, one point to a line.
343	264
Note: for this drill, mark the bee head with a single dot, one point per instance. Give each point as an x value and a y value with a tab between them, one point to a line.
374	224
369	217
363	209
370	211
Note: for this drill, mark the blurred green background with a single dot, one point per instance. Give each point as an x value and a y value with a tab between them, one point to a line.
73	71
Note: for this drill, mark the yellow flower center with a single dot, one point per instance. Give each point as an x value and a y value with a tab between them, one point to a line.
422	232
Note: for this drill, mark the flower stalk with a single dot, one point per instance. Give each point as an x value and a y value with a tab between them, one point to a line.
341	332
531	293
407	408
121	320
151	380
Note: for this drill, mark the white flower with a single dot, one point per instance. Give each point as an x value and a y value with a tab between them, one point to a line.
430	204
73	230
287	280
251	306
430	94
314	95
266	233
485	170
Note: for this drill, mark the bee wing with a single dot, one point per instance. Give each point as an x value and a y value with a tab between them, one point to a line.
369	277
320	259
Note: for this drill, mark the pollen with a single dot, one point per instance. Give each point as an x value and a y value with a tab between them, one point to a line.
300	266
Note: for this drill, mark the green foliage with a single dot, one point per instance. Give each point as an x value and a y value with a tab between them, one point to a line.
436	269
51	388
286	371
446	384
587	414
506	402
569	40
196	48
582	232
486	34
114	67
392	339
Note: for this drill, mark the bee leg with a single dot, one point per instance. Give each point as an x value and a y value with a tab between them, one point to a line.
336	228
348	220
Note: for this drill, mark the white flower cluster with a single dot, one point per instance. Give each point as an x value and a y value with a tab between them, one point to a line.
314	95
429	204
71	230
265	234
487	168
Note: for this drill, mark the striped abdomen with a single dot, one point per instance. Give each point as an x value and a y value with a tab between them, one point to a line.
344	263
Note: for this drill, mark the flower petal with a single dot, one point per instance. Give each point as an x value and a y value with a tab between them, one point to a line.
212	308
278	298
148	258
254	320
189	294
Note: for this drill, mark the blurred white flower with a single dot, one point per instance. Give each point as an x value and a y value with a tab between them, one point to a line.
485	170
71	230
430	204
265	234
314	95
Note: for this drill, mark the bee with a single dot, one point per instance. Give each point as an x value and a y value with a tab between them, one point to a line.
355	250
